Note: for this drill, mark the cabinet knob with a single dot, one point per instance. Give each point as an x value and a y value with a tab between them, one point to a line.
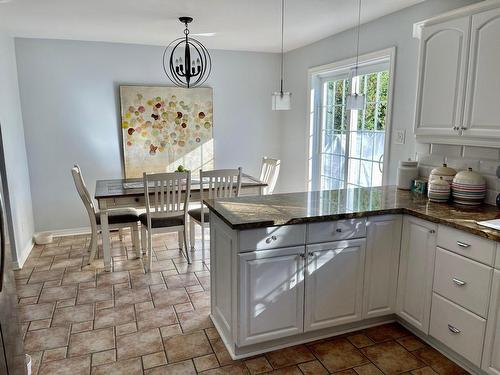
338	230
453	329
274	238
302	255
268	240
311	255
432	231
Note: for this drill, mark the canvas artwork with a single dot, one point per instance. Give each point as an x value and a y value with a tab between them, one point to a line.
165	127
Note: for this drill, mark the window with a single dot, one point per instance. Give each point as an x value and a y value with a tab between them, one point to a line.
347	147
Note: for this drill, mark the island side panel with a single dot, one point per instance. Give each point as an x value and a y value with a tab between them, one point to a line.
223	282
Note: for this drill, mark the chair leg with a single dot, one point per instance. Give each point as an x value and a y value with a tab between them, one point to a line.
150	250
179	234
93	246
184	233
144	238
203	243
192	232
135	240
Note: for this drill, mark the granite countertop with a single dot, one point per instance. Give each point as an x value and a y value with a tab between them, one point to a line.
250	212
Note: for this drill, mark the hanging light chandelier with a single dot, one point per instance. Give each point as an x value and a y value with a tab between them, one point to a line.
186	61
281	101
356	101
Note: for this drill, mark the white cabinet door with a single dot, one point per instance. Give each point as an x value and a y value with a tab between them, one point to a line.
416	269
482	112
334	283
381	267
491	353
442	74
271	290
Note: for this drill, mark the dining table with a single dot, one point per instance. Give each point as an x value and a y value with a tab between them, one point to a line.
123	193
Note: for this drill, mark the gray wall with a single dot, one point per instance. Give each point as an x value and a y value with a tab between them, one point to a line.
16	164
70	102
393	30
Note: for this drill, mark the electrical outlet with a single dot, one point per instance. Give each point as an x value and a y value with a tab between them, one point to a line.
400	136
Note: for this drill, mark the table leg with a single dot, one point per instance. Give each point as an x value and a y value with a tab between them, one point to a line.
105	238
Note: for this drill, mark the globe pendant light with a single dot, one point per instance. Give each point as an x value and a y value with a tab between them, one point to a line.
281	101
186	61
356	101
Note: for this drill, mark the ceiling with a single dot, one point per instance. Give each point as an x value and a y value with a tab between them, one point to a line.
252	25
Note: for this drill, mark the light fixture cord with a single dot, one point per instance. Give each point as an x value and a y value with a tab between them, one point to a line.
282	38
357	38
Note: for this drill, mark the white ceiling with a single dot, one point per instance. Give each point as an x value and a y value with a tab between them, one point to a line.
251	25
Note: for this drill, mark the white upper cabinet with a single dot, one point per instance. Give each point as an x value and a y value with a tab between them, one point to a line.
482	110
334	284
381	266
416	269
442	67
458	80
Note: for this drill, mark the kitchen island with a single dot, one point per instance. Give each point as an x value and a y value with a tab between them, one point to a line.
293	268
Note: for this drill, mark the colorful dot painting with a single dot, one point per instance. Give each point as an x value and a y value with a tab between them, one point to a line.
162	125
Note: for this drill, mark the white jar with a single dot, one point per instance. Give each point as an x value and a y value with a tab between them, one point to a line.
407	173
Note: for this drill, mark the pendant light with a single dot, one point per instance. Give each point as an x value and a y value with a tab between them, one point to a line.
356	101
186	61
281	101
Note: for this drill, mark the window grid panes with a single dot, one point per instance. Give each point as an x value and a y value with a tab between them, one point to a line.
352	142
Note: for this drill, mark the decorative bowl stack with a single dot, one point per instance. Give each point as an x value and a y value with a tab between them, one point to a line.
468	188
446	172
439	190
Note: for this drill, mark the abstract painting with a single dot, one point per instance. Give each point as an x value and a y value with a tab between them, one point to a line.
165	127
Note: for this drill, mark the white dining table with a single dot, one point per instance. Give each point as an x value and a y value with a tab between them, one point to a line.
122	193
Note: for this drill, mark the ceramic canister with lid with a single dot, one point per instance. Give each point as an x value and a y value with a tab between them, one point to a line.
439	190
407	173
444	171
468	188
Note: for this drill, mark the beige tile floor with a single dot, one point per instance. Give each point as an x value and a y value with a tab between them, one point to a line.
77	319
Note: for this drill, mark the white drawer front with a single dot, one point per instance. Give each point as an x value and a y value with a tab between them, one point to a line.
463	281
336	230
457	328
466	244
272	237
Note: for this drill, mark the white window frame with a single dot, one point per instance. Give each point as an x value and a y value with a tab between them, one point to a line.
316	77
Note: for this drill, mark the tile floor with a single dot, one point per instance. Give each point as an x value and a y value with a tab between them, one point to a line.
78	319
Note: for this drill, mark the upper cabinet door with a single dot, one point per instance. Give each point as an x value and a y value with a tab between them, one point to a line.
334	284
271	294
442	75
482	109
416	271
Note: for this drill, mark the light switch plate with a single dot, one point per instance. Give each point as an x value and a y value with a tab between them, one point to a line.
400	136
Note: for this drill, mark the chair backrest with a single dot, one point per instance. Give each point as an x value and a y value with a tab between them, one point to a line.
269	173
84	194
167	194
220	183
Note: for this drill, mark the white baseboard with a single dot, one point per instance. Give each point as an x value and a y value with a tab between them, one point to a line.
67	232
17	265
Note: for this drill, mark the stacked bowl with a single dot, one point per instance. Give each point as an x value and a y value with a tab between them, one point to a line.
468	188
439	190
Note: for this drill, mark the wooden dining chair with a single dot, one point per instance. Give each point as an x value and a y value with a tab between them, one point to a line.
167	200
269	173
220	183
118	218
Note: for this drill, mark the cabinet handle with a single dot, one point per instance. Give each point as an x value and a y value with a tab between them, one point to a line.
268	240
302	256
432	231
459	282
455	128
463	128
274	238
311	255
453	329
338	230
463	244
